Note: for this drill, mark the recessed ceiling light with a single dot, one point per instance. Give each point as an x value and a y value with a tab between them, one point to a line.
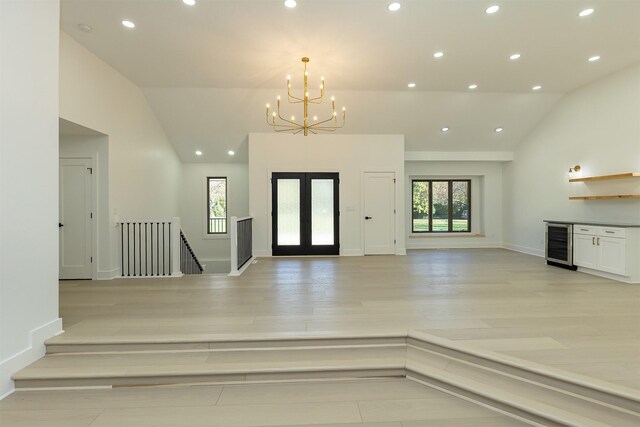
594	58
411	85
492	9
498	130
585	12
231	152
438	54
473	86
445	129
85	28
189	2
537	87
394	7
515	56
128	24
290	3
198	153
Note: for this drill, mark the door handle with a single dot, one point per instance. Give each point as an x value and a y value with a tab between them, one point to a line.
598	241
60	225
368	217
593	240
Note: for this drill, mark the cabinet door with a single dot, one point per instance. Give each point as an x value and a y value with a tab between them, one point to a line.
585	252
612	255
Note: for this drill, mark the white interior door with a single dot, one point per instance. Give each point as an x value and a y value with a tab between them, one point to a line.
75	218
379	213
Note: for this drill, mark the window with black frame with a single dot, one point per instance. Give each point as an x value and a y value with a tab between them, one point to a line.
441	206
216	205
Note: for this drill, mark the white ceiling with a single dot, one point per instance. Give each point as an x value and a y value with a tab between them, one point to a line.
236	54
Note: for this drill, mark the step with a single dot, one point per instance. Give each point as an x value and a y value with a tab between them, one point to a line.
527	391
127	368
535	392
73	344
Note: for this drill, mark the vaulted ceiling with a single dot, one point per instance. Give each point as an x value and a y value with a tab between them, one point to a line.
207	70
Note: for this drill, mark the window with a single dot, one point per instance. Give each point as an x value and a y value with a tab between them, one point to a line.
440	206
216	205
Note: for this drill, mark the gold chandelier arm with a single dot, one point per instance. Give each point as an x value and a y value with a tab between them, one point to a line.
318	98
285	120
296	100
316	125
275	126
288	121
325	121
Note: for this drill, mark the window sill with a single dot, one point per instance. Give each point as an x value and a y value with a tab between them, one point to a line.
445	235
216	236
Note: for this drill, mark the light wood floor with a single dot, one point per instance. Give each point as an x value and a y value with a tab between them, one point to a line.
379	403
491	298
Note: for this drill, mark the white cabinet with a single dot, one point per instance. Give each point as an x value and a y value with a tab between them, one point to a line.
612	255
585	252
600	248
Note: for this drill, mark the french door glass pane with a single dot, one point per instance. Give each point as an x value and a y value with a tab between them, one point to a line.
440	206
288	212
460	206
321	212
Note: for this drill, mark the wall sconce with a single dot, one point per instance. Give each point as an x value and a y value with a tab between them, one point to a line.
574	169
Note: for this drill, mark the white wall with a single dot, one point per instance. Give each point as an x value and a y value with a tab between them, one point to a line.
28	182
144	170
212	250
95	148
486	203
597	127
350	155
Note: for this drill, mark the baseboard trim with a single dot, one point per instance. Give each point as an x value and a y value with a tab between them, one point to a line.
444	243
351	252
108	274
34	351
243	268
606	275
523	249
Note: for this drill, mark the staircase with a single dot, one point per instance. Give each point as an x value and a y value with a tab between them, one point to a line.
156	248
189	263
527	391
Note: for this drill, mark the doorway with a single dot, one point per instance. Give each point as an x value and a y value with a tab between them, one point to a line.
379	213
75	218
305	215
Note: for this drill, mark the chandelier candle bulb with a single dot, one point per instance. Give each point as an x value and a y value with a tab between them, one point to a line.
281	124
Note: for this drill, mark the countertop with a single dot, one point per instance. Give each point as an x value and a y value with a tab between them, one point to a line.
600	223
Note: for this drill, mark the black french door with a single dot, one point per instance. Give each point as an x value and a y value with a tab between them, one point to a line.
305	213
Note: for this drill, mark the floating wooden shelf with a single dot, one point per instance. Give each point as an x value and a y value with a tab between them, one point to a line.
614	196
606	177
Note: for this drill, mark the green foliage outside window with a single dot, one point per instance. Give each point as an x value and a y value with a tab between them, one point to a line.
441	206
217	210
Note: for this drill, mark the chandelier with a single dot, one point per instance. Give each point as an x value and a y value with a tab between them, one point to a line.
281	124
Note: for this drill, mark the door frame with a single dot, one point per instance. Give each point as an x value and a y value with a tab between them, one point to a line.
94	210
305	220
363	176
